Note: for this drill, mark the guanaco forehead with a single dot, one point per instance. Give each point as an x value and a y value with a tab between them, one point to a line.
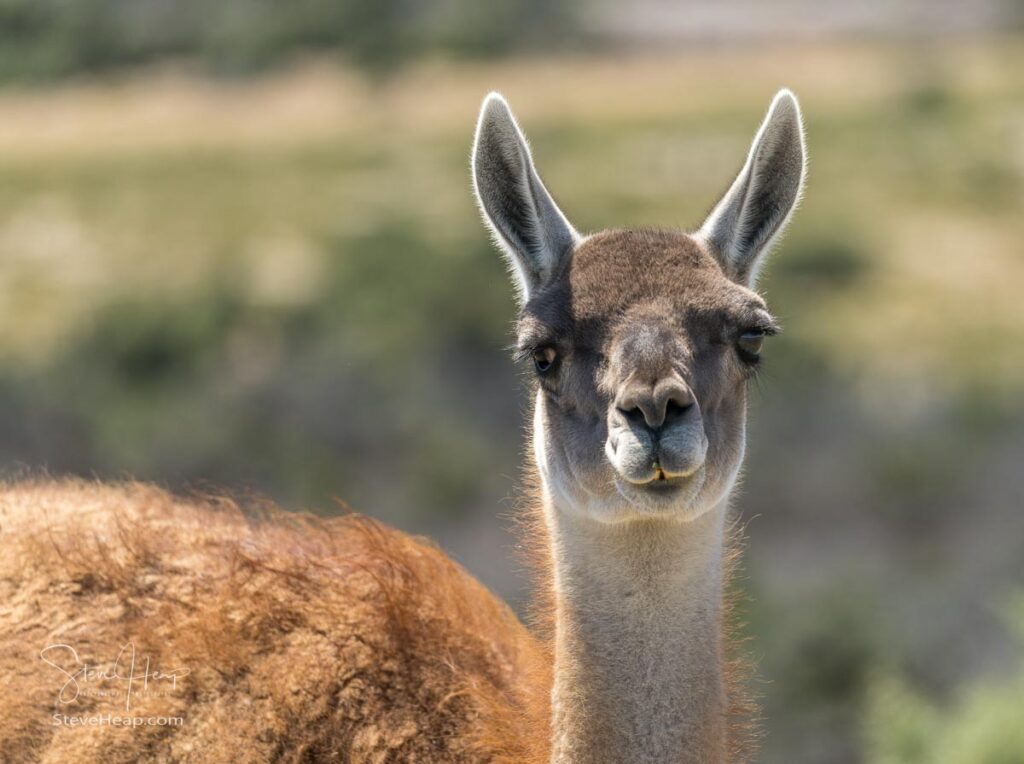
623	277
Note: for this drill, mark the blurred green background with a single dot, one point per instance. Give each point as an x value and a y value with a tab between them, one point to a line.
238	249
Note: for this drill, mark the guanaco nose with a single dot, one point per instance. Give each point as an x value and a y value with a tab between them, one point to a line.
655	404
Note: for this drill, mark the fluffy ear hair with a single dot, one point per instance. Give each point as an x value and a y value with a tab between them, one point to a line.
526	223
743	226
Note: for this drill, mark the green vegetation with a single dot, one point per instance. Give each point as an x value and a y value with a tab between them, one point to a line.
981	726
49	39
282	284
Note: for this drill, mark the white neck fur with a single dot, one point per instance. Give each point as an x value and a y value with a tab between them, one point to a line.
638	645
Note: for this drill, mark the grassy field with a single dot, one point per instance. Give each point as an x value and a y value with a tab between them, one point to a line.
155	184
283	284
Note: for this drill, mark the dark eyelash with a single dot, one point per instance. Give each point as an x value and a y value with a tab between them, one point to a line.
769	330
521	354
526	352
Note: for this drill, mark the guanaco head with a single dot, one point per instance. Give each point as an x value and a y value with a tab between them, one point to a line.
642	342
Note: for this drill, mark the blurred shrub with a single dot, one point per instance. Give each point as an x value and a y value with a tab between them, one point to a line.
503	26
911	476
397	366
143	345
44	39
929	99
985	725
830	650
816	261
818	652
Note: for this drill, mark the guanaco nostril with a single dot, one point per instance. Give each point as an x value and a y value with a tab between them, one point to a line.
633	415
674	410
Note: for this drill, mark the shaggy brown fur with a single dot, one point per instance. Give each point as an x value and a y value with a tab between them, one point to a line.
304	639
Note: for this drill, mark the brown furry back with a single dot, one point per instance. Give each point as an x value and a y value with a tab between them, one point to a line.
303	640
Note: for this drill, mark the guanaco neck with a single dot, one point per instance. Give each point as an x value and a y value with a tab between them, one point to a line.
638	645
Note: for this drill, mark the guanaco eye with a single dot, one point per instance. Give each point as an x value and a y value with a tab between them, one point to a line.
750	343
544	359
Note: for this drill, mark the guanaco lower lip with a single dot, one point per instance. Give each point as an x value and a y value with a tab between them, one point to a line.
664	493
661	483
661	477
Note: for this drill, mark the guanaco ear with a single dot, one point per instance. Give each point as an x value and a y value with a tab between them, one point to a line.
743	226
526	223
